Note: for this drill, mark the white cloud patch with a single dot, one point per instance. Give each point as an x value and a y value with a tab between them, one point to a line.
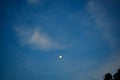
37	38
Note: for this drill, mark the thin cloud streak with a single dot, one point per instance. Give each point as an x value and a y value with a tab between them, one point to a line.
111	65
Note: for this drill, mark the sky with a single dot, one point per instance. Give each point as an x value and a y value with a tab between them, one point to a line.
35	33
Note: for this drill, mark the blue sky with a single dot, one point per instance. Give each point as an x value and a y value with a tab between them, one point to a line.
34	33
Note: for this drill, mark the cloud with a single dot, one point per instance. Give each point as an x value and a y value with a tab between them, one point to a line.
37	38
111	65
104	20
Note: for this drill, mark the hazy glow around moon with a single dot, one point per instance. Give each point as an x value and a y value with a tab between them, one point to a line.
60	57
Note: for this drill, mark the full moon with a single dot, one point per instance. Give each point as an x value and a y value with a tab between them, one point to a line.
60	57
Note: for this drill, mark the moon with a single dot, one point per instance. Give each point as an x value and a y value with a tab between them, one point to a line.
60	57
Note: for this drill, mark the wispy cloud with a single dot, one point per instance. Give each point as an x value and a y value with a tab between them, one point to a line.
37	38
111	65
104	20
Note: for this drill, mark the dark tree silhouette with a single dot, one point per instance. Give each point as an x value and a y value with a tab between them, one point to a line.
116	76
108	76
